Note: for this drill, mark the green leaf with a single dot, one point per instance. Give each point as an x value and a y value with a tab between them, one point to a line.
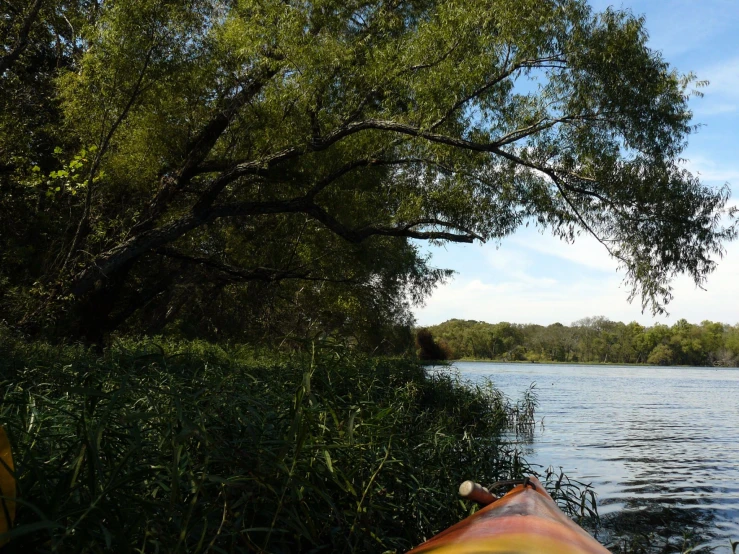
329	463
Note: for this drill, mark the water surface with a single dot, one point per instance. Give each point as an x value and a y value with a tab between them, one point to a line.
659	445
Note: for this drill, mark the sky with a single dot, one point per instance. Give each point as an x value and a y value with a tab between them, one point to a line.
531	277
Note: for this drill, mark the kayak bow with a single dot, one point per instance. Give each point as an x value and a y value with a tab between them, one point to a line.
524	521
7	486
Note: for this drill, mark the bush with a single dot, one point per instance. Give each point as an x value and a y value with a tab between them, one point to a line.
191	447
661	355
429	349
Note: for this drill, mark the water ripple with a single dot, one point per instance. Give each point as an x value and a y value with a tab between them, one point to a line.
660	445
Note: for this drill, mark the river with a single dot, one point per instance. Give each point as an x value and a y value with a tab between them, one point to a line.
660	445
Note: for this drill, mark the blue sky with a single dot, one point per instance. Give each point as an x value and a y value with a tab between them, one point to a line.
535	278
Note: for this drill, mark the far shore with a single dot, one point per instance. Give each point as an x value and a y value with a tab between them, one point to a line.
484	360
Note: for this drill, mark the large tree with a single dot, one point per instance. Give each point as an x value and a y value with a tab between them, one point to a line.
201	145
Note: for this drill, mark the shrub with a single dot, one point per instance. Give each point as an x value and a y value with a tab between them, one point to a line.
661	355
429	349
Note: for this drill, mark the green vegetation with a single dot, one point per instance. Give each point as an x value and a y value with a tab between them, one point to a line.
164	447
256	170
591	340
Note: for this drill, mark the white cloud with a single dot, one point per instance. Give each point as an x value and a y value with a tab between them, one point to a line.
521	297
723	77
714	109
721	96
720	299
514	265
520	302
712	172
586	251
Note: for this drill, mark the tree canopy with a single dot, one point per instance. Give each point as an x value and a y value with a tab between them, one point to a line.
270	162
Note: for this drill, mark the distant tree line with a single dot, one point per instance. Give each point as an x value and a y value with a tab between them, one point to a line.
593	340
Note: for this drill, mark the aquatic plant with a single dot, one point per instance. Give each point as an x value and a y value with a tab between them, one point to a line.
191	447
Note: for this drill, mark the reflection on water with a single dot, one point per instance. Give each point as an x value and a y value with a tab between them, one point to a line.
659	445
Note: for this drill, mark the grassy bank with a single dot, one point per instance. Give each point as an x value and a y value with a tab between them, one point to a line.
194	448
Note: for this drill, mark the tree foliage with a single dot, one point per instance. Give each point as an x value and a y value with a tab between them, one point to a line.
430	349
595	340
252	165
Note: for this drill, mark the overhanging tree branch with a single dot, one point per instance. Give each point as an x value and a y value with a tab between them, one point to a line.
203	143
317	144
542	125
165	234
237	273
492	83
243	274
102	150
404	230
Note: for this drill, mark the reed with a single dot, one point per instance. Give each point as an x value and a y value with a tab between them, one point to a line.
191	447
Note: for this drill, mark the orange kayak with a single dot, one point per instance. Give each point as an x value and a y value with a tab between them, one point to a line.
524	521
7	486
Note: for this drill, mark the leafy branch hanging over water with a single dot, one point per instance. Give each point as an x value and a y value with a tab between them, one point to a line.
279	156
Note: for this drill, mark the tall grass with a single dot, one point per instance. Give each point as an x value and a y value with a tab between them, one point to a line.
195	448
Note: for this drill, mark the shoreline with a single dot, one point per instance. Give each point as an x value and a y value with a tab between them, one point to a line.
624	364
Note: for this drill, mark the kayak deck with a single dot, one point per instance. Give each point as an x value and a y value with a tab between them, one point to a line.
524	521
